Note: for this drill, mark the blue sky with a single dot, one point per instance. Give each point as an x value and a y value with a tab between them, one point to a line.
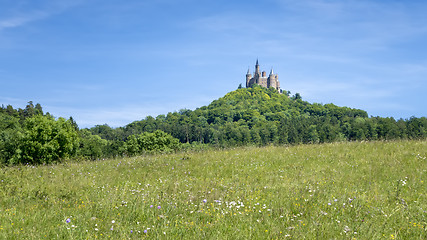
115	61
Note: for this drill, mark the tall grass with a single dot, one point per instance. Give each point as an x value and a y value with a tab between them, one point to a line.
368	190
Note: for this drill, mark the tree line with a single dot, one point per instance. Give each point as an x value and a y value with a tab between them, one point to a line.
246	116
263	116
28	136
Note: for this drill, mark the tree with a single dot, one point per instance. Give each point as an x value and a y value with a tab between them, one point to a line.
29	111
91	146
74	123
297	96
313	136
157	141
38	109
10	138
47	140
104	131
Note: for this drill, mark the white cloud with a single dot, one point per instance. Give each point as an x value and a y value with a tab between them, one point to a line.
27	14
19	21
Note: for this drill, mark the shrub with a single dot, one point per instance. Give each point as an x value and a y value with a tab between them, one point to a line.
157	141
46	140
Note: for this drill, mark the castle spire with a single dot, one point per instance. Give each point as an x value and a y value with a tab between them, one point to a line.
271	72
249	71
256	66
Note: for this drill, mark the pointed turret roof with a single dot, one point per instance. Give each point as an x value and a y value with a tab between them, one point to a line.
271	72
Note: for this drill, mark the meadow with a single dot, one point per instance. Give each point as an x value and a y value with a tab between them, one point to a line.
349	190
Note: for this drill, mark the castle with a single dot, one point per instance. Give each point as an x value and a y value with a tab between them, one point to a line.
261	79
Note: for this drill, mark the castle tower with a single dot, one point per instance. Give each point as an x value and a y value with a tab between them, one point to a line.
261	78
248	78
272	79
257	68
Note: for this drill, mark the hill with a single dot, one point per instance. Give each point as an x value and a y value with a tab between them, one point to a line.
369	190
247	116
263	116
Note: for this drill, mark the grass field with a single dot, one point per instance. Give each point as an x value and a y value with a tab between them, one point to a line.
368	190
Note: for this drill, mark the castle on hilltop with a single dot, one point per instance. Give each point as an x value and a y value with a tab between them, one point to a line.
261	78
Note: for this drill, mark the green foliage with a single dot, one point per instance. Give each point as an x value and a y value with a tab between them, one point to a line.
47	140
10	138
247	116
91	146
147	142
35	140
260	116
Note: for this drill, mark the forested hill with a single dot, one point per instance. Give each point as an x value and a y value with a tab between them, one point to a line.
263	116
250	116
251	103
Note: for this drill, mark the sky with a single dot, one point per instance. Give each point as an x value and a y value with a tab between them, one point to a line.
114	62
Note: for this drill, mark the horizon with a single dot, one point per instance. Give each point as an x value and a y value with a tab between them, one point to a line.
118	62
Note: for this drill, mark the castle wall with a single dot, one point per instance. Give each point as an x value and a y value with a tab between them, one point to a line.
263	81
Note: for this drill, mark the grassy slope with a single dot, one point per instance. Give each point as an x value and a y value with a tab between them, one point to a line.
370	190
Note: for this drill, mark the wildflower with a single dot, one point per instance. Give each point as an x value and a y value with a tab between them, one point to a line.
145	231
113	221
329	204
151	206
68	220
346	229
158	207
204	200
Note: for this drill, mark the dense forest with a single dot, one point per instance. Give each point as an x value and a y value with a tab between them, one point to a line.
246	116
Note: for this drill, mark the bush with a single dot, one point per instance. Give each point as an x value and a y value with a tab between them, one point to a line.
91	146
157	141
46	140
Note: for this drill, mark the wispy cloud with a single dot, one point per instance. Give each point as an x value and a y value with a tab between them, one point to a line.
21	20
341	24
23	14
